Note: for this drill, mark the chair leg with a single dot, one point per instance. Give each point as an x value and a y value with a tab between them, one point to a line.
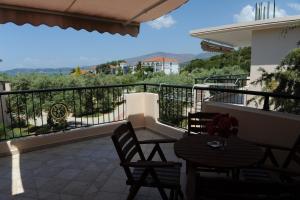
235	174
162	193
171	194
186	167
132	192
180	193
176	194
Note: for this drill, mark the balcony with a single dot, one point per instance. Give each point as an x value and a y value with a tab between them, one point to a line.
83	170
69	155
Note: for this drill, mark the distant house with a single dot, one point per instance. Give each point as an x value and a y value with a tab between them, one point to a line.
92	69
113	69
125	67
159	64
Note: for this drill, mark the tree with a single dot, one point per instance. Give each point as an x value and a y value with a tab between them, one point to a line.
241	58
76	71
120	71
285	79
139	71
103	69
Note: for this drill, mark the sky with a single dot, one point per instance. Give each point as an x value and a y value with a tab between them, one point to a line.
42	47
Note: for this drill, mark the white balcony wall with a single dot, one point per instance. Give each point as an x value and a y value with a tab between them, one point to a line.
265	127
269	47
143	111
259	125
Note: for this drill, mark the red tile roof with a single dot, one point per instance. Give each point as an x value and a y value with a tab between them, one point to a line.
160	59
93	68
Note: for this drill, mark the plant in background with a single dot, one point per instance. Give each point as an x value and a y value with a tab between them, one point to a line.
223	125
284	80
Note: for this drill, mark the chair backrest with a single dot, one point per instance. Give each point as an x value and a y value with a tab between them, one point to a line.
197	122
127	145
294	154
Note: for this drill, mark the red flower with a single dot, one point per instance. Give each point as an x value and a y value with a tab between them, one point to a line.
223	125
211	129
234	121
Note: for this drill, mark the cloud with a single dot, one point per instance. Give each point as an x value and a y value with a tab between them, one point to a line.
89	60
31	61
295	6
248	13
84	58
165	21
279	12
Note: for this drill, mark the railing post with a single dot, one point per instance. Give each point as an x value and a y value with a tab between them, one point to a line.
266	103
145	87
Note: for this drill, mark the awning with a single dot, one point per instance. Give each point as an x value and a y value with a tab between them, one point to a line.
214	47
113	16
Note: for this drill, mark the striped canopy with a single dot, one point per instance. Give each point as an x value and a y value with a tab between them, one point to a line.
113	16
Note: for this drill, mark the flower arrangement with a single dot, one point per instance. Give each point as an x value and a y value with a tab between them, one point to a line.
223	125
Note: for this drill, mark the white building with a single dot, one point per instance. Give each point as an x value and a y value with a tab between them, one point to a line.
167	65
125	67
271	40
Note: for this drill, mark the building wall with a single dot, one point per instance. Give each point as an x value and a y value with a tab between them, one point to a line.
269	47
167	67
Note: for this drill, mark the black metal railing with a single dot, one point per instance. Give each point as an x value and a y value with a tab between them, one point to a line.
34	112
175	102
225	81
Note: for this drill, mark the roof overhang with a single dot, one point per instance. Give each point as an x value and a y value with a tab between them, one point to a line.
240	34
113	16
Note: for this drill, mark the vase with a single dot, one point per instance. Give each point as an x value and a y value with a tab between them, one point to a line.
223	142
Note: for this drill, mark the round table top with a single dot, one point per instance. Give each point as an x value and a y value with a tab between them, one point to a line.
237	153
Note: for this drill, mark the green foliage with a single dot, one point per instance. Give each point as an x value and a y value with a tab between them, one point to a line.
85	102
285	79
185	78
172	110
2	129
241	58
43	130
25	107
103	69
76	71
119	71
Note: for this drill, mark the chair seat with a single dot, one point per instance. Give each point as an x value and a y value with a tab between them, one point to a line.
168	176
261	175
229	189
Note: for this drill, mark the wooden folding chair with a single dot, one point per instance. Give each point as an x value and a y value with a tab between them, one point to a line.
197	122
142	172
197	125
275	172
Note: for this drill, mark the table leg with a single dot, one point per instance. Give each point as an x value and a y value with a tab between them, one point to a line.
191	181
236	174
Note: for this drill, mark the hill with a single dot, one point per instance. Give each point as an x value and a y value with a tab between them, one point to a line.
13	72
182	58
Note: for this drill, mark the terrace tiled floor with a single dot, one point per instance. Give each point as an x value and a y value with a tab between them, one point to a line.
84	170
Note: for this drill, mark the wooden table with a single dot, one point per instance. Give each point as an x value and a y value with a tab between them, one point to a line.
194	149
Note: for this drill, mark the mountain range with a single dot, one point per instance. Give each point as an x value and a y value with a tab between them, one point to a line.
181	58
